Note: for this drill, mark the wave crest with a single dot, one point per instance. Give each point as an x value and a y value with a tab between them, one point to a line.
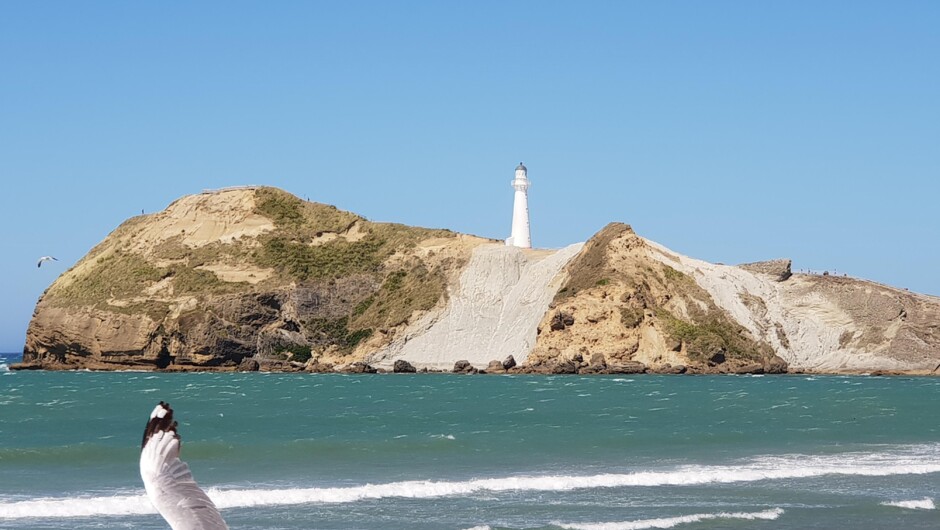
669	522
922	504
905	461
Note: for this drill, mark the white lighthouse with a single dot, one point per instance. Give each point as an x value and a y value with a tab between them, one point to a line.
520	211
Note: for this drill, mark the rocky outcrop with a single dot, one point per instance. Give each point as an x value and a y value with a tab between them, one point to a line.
822	323
257	279
403	367
248	273
358	368
627	313
463	366
495	367
776	269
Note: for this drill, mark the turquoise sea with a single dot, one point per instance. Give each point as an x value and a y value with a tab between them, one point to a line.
291	451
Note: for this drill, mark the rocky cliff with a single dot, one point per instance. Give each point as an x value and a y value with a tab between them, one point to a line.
249	277
242	274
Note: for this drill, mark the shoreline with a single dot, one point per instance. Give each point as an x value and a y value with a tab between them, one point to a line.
362	368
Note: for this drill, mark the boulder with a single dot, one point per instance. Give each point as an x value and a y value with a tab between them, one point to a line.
248	365
464	367
597	359
509	362
495	367
359	368
673	370
564	367
402	366
531	369
560	321
775	365
751	368
628	367
316	367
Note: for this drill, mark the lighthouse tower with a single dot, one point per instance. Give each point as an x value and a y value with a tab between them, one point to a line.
520	211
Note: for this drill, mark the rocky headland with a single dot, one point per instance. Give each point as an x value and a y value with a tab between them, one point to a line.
255	278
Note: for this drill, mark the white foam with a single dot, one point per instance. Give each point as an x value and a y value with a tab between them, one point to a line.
921	459
47	507
669	522
922	504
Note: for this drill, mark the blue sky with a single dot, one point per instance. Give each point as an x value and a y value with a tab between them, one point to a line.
728	131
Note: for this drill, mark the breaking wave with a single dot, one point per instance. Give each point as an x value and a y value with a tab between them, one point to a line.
922	504
669	522
906	461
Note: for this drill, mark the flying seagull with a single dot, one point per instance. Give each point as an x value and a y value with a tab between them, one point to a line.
45	258
169	482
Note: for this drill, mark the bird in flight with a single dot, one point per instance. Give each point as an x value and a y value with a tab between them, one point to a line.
168	480
45	258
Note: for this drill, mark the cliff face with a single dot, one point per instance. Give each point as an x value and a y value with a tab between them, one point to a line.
224	276
630	303
820	322
622	309
493	310
229	278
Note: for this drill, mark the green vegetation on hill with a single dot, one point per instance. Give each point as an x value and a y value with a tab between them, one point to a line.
290	213
293	251
312	246
714	333
403	292
662	291
115	274
301	261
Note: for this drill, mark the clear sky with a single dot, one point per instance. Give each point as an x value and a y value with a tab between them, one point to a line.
728	131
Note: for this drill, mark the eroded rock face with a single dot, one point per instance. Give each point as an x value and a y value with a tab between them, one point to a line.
626	312
777	269
821	323
248	273
629	300
256	279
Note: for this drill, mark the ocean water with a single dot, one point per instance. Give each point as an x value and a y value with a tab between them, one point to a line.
291	451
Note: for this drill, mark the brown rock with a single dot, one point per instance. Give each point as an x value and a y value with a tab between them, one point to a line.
464	367
565	367
495	367
560	321
402	366
597	360
775	365
751	368
628	367
316	367
668	369
248	365
359	368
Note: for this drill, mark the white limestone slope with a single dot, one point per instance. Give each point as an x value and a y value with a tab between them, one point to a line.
805	326
493	312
